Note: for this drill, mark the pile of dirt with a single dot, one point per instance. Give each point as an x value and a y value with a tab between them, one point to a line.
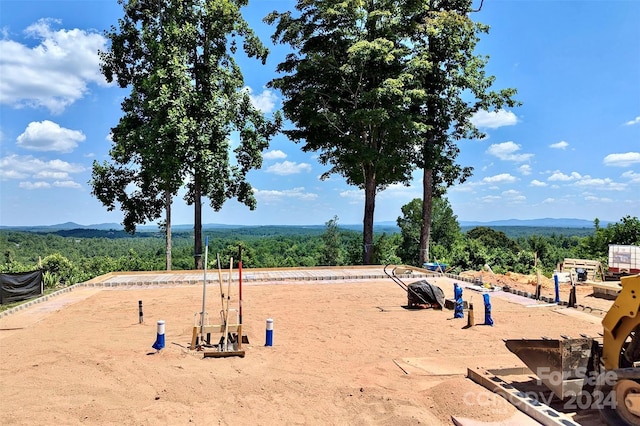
510	279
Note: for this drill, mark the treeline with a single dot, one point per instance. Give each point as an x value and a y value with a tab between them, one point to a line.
77	256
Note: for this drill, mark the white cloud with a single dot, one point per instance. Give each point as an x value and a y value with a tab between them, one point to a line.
632	176
507	151
465	187
559	176
268	196
549	201
400	191
490	199
514	196
34	185
600	183
559	145
50	174
525	169
493	119
67	184
25	167
353	195
49	136
265	101
501	178
536	182
55	73
598	199
634	121
622	160
288	168
274	155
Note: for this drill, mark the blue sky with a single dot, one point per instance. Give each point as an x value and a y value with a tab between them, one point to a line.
572	150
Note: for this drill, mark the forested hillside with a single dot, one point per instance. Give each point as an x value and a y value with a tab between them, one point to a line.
71	256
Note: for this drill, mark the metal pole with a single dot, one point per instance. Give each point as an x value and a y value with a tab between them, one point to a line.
204	287
240	284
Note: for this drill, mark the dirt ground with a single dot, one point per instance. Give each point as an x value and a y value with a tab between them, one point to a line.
344	353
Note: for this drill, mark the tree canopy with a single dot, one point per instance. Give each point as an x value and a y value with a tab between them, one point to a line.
445	229
186	100
344	91
383	87
450	86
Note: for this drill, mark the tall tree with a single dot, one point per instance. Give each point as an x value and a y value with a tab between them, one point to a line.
451	86
410	223
344	90
187	98
331	249
444	228
148	142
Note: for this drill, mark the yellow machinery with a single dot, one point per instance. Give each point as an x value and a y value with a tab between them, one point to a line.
608	373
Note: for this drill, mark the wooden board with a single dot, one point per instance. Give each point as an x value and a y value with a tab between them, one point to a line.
606	290
216	328
592	267
222	354
542	413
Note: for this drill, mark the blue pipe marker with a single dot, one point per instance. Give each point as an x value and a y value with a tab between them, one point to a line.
269	338
487	310
159	344
459	306
557	283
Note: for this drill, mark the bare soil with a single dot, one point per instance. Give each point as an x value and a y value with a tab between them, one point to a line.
344	353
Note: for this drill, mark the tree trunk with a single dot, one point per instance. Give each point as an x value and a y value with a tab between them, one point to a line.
197	223
369	207
167	200
427	208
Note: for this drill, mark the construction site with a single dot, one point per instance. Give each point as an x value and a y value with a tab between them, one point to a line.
350	345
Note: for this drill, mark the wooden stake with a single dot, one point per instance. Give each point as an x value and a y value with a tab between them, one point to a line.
221	290
226	316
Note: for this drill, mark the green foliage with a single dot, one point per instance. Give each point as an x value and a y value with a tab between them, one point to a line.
491	238
385	249
344	90
69	260
449	85
410	223
445	230
352	242
625	232
58	266
50	280
517	232
186	98
331	251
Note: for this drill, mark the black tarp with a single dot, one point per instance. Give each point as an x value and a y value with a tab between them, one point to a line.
422	292
20	286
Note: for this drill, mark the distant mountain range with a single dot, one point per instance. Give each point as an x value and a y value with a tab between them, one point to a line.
545	223
388	225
